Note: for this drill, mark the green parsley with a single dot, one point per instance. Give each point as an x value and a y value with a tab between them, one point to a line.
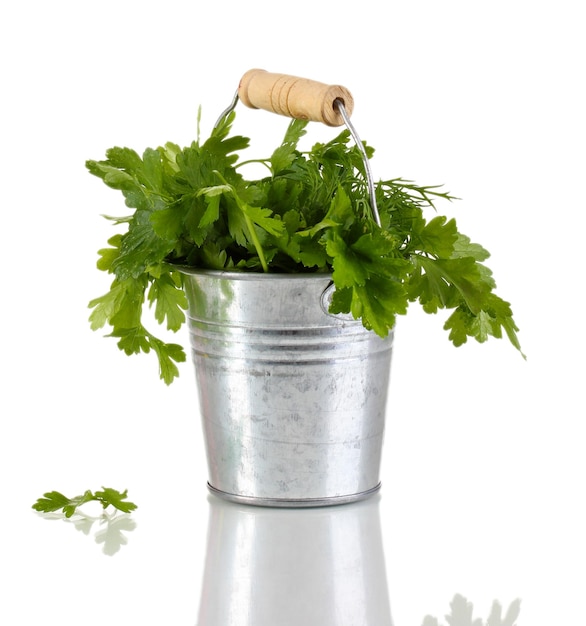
55	501
310	213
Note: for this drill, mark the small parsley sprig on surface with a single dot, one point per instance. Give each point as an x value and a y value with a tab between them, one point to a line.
310	213
55	501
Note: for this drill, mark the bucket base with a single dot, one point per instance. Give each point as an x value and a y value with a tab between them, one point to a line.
299	503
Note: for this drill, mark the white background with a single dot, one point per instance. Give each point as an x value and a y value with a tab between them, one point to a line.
484	467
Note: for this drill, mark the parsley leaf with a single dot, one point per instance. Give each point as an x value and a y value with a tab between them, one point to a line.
55	501
169	300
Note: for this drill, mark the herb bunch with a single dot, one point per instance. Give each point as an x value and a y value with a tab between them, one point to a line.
310	213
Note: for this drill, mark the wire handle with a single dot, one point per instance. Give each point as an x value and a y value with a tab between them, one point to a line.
301	98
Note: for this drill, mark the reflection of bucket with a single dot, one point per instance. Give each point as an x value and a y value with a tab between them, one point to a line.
275	567
292	398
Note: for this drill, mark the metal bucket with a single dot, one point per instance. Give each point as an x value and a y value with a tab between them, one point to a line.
292	399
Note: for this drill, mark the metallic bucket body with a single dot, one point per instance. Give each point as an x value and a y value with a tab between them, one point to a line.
292	399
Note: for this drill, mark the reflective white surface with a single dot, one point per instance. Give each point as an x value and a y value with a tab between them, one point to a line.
483	465
318	566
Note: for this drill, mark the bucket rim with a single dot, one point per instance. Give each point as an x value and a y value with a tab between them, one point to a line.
247	275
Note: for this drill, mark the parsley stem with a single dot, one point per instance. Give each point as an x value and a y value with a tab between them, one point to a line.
249	225
256	243
261	161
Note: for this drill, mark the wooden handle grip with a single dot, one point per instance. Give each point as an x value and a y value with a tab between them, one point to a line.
299	98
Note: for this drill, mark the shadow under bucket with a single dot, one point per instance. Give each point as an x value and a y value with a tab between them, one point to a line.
292	398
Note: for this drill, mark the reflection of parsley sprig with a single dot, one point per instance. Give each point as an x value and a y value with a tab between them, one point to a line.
461	614
55	501
310	213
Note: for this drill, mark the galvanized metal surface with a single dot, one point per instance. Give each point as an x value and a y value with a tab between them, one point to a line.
292	399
